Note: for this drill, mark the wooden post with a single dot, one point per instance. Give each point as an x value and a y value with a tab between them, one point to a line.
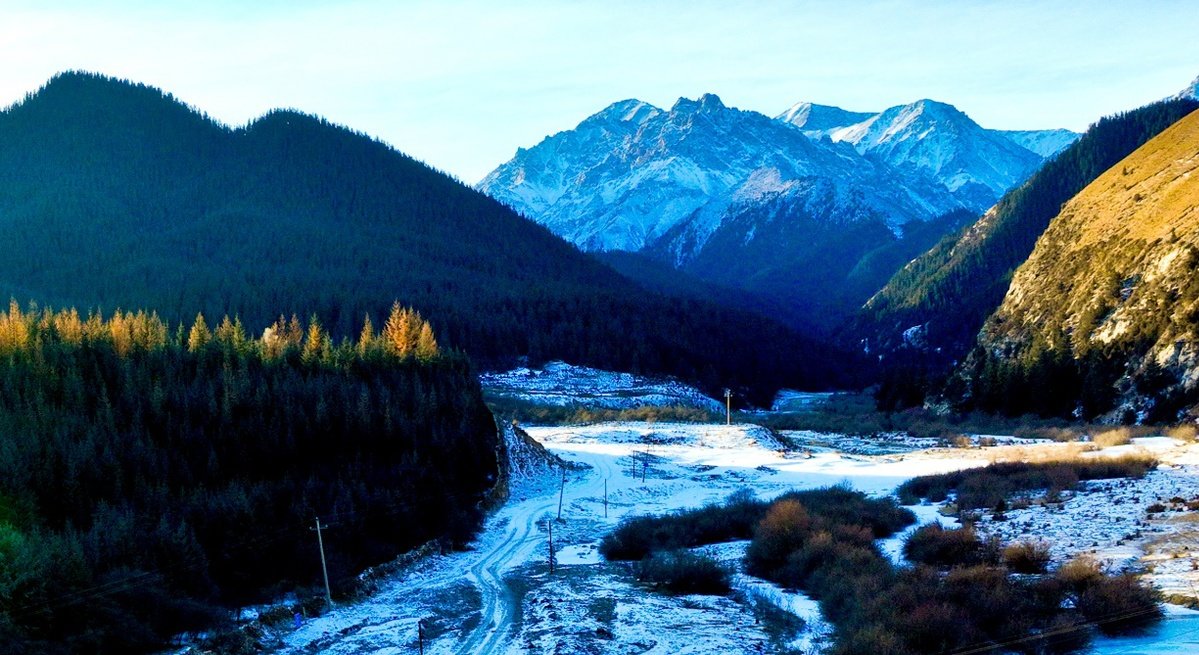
324	569
561	491
605	497
551	523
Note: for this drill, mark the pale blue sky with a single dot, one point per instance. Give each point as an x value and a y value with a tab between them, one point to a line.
462	84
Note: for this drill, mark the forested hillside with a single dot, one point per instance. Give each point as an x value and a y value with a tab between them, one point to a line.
115	195
150	475
1103	315
929	314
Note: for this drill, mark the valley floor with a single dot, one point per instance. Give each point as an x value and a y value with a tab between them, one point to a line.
500	597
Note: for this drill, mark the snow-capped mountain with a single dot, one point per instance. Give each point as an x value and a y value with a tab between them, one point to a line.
786	208
631	174
976	164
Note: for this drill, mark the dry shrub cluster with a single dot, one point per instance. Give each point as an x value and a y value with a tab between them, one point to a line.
824	542
533	413
935	545
1114	437
991	485
684	572
638	537
1027	557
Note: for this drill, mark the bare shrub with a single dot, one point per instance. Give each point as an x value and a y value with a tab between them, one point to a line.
781	532
1058	434
936	546
1186	432
1027	557
683	572
1120	605
985	487
1114	437
1079	573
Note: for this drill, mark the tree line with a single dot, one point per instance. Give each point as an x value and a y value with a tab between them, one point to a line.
116	195
152	476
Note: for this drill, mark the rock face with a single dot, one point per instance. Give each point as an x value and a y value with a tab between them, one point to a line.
1110	292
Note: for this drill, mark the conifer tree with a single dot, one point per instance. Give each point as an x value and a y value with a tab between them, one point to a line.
316	343
426	343
199	336
366	338
401	331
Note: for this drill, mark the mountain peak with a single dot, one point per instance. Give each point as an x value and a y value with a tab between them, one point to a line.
933	108
708	102
631	110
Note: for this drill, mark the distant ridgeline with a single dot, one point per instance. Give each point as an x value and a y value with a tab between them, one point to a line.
117	195
150	476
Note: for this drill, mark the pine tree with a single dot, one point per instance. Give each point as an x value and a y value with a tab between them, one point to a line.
426	343
401	331
199	336
366	338
316	344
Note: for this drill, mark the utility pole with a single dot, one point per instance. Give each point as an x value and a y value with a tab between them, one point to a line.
728	406
561	491
324	568
551	524
605	497
420	635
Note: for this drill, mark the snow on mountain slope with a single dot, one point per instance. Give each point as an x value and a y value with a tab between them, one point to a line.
562	384
978	164
1192	90
817	120
1045	143
632	173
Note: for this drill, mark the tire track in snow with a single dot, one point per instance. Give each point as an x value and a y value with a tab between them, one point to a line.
500	603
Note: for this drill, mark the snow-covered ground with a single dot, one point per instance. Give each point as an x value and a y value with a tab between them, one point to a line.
500	597
565	385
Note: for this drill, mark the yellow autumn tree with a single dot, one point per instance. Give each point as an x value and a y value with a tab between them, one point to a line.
426	343
368	343
316	343
401	331
199	336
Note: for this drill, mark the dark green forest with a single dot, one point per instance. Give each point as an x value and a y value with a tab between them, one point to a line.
151	476
955	286
117	195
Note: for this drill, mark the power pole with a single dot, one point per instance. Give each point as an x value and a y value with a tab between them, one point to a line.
551	524
324	568
561	491
728	406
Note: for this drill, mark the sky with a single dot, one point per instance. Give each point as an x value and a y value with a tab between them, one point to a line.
460	85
